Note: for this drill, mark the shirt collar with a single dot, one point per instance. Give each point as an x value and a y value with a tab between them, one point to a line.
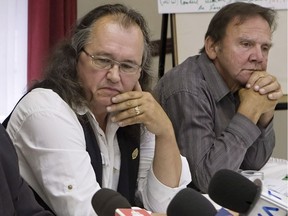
111	126
218	87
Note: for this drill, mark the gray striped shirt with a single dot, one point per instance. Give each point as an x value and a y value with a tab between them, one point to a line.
209	131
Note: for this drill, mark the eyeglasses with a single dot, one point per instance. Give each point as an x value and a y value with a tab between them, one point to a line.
102	62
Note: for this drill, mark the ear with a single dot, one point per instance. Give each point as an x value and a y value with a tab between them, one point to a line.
211	48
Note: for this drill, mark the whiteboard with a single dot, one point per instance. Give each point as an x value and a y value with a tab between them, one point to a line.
188	6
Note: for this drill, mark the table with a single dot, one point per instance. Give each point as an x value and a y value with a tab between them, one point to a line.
275	175
275	172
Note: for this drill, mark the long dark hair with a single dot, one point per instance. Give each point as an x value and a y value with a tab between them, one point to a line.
60	72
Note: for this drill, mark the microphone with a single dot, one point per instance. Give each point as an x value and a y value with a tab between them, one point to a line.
105	201
189	202
237	193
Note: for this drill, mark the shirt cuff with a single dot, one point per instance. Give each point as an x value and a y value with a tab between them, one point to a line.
161	192
244	128
266	131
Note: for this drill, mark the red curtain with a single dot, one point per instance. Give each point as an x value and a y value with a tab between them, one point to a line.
48	22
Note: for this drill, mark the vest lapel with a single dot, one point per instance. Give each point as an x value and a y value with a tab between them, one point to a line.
92	147
129	145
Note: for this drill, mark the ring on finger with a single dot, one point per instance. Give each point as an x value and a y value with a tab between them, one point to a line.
137	110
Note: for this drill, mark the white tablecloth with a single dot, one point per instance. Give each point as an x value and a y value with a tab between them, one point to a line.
275	172
275	168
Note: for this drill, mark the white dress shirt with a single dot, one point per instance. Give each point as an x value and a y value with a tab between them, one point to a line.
51	147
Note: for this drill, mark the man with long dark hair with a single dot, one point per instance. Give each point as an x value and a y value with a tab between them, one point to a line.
89	125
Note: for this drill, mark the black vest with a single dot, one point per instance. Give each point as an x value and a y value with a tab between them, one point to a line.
129	145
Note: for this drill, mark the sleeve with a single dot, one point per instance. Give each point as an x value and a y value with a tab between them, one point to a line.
193	117
154	195
259	153
52	143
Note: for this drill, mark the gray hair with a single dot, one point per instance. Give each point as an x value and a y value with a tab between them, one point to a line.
61	73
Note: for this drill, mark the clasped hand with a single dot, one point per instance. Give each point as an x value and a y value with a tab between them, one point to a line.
259	98
265	84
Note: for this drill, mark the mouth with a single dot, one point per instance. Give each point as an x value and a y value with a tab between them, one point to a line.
253	69
110	91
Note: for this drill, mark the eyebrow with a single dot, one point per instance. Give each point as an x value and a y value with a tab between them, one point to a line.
269	44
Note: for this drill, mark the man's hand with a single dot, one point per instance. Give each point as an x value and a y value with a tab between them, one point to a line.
253	105
265	84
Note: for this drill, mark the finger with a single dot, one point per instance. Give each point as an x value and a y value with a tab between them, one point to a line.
129	121
127	96
265	81
269	87
275	95
125	105
256	75
129	116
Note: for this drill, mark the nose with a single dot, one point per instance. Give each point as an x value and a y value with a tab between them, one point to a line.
257	54
113	73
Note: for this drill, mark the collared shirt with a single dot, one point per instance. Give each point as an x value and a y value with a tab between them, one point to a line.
209	131
51	147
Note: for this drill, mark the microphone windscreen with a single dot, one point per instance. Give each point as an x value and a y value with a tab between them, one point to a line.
233	191
189	202
105	201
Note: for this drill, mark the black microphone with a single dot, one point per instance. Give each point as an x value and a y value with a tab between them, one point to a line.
105	201
236	192
189	202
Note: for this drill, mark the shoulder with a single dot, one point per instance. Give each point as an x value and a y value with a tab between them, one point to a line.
42	100
182	75
188	66
41	97
185	78
40	106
